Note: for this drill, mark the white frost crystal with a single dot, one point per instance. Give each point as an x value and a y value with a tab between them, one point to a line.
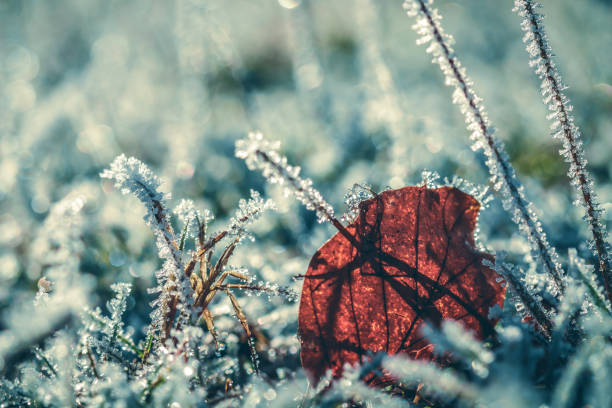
261	154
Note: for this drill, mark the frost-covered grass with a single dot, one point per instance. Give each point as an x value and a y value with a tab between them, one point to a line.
115	292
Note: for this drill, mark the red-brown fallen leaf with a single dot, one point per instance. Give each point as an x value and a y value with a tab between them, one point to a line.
412	259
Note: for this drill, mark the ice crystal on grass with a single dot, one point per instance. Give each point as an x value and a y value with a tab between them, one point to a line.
570	308
526	301
267	288
503	176
432	179
178	376
261	154
193	220
113	388
247	213
117	307
594	356
438	382
586	275
564	128
113	338
478	191
454	339
352	387
353	197
132	176
185	293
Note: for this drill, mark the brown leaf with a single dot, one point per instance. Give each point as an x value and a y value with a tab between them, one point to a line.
411	260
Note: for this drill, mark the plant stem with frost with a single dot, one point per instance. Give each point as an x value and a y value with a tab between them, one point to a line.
503	176
564	128
526	303
261	154
132	176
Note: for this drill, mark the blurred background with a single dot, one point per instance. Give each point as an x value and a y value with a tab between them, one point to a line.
342	84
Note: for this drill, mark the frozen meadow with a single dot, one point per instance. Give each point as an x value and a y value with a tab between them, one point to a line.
169	169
